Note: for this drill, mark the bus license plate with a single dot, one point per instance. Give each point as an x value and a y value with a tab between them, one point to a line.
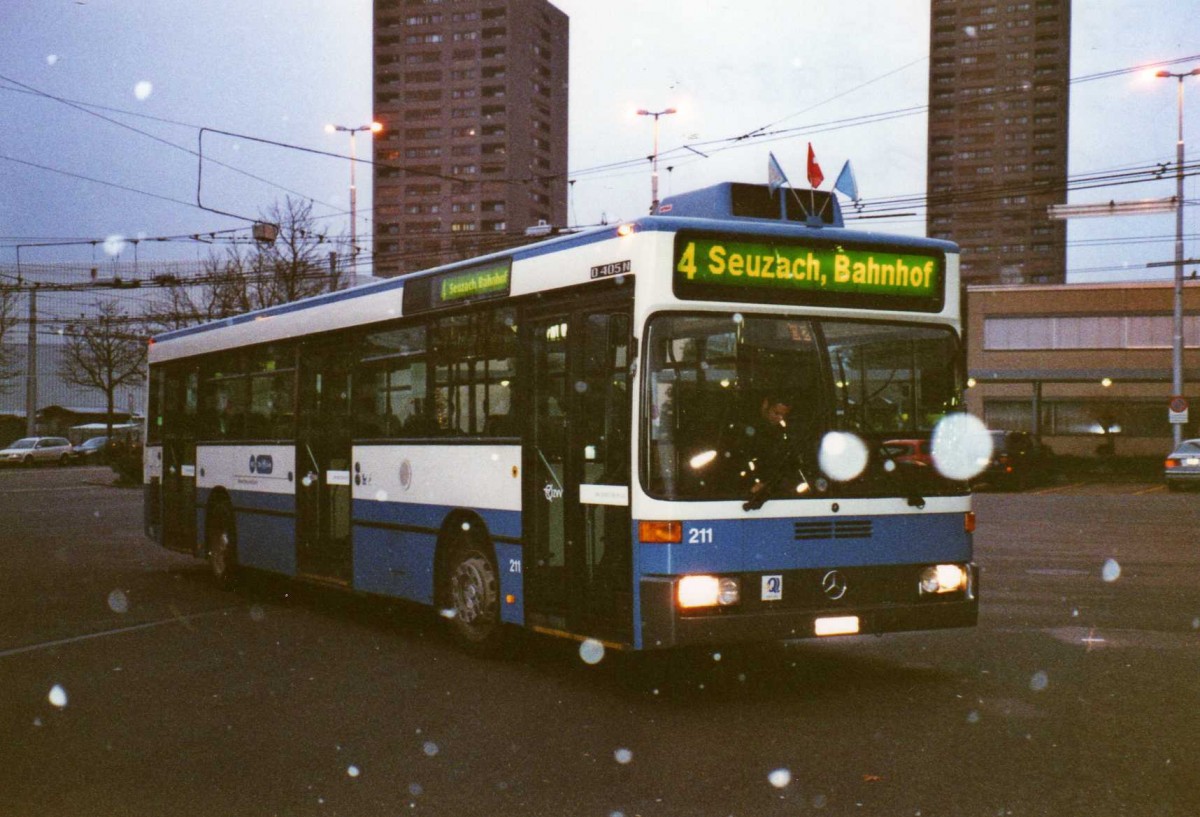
839	625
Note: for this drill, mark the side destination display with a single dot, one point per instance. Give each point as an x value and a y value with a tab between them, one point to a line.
872	277
459	286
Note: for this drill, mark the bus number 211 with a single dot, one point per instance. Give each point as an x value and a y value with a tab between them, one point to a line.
700	536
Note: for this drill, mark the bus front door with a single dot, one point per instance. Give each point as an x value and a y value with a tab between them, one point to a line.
323	465
179	400
577	563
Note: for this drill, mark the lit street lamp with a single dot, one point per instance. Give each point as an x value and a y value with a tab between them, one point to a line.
654	156
1177	346
374	127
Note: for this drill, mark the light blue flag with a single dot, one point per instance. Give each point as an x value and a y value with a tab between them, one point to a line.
775	175
846	183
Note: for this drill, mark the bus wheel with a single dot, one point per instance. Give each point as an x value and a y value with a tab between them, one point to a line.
221	537
473	597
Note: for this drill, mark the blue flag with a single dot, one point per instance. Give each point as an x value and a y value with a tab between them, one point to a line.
775	175
845	182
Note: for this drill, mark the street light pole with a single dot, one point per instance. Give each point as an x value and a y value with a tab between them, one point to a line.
654	156
1177	329
374	127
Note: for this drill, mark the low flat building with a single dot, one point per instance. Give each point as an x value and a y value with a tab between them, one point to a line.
1087	368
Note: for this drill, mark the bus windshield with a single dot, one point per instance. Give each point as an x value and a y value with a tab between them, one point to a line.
736	406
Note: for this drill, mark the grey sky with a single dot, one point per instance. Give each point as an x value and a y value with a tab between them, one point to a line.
282	69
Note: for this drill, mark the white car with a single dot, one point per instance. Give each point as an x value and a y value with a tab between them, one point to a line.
34	450
1182	467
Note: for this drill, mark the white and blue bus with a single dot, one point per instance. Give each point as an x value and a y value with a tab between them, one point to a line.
556	437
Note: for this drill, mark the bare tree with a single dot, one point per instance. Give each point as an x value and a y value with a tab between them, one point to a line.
295	265
8	320
222	289
105	353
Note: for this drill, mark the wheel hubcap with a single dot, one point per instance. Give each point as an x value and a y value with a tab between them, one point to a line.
219	552
474	592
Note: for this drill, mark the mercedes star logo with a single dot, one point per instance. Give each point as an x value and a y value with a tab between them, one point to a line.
834	585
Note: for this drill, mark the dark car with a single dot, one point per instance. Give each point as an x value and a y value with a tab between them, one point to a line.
92	449
1018	460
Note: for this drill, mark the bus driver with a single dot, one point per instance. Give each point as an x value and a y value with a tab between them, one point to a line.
771	455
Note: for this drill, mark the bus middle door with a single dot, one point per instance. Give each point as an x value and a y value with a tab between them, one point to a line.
323	548
180	400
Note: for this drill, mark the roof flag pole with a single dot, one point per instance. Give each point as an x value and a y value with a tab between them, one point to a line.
815	177
847	184
776	179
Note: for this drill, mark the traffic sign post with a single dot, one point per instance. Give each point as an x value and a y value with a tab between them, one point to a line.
1177	409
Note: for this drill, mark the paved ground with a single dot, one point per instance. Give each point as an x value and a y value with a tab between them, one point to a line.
129	685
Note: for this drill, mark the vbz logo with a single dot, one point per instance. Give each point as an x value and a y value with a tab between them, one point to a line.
261	464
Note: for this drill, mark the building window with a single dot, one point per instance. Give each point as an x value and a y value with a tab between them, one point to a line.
1086	332
1080	417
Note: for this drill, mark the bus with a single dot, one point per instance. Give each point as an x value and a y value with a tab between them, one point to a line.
554	437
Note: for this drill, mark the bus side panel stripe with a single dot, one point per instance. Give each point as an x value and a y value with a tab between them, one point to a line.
505	524
266	530
395	543
394	563
512	584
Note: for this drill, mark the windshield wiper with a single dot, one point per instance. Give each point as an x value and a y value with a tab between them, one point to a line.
767	492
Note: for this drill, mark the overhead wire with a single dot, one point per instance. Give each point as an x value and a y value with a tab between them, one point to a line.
757	135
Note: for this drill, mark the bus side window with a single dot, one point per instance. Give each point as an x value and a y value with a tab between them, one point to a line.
390	384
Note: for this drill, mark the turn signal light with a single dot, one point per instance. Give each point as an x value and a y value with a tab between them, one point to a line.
663	533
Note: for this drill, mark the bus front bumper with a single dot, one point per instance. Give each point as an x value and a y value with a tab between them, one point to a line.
664	626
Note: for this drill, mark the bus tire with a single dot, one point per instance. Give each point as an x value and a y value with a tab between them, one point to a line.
472	598
220	535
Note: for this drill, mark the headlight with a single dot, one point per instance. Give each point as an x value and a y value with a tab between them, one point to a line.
707	591
943	579
729	593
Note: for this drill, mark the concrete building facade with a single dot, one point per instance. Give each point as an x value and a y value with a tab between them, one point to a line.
999	74
1085	367
472	95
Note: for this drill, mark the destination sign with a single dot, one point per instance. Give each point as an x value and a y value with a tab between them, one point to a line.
871	277
458	286
477	283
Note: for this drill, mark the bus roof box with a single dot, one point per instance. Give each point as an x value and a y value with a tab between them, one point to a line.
737	200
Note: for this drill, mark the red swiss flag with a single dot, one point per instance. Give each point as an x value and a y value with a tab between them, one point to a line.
815	176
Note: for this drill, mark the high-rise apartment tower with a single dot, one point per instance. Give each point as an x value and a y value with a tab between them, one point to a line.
999	74
473	98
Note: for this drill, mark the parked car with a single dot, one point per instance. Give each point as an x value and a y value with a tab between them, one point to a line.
34	450
92	449
1182	466
908	452
1018	459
